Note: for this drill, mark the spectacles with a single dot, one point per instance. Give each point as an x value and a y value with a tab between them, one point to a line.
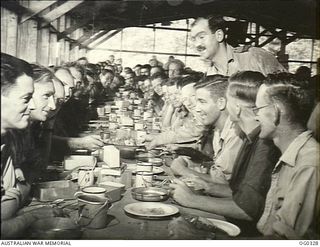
257	109
59	101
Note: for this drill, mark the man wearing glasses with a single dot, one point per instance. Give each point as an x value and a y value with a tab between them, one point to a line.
291	210
209	37
241	200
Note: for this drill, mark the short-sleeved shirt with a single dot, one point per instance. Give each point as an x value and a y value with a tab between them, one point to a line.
251	175
226	145
188	130
9	188
291	203
253	58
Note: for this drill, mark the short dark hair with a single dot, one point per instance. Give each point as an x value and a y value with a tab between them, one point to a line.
178	62
214	22
215	84
82	58
192	78
244	85
109	71
292	93
146	66
11	69
159	75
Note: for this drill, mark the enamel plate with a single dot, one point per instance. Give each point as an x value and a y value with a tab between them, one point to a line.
229	228
151	209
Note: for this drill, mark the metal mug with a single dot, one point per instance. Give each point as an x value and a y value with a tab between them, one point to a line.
144	179
144	167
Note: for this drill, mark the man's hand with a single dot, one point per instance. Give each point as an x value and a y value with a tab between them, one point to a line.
91	142
179	166
180	228
199	183
182	194
152	144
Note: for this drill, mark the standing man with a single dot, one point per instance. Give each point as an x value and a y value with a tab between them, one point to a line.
283	106
209	37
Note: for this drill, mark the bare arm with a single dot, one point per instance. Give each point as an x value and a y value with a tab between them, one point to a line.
222	206
167	117
92	142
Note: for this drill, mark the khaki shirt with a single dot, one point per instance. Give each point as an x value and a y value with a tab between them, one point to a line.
291	201
9	188
226	146
253	58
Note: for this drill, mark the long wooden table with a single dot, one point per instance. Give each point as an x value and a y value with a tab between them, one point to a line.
125	227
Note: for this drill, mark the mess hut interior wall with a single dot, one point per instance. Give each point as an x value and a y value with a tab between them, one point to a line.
33	31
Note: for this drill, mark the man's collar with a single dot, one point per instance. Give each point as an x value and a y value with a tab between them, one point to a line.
230	55
226	128
290	155
252	135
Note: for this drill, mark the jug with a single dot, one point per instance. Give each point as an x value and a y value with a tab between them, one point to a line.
92	211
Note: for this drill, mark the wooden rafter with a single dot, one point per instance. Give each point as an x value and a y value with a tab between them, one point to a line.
95	37
61	10
36	7
108	36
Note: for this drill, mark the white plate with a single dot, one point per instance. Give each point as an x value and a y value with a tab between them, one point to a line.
151	209
155	170
229	228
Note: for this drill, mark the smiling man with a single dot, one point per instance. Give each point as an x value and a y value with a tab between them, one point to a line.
16	103
209	37
283	106
211	111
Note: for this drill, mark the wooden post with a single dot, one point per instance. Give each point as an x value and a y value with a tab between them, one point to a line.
61	27
67	43
9	32
4	24
43	45
27	41
53	45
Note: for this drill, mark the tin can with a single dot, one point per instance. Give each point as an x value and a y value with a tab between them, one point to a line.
85	176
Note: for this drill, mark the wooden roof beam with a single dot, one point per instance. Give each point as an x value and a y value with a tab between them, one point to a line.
61	10
78	24
108	36
94	38
35	8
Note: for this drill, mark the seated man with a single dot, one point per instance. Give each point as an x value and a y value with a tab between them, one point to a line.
212	112
16	102
189	128
157	80
63	140
283	107
243	198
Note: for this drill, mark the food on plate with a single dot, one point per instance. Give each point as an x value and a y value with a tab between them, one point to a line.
152	211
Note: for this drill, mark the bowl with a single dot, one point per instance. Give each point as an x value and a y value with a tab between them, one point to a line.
55	228
150	194
153	161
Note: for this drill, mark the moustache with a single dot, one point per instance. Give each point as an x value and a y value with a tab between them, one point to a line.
200	48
